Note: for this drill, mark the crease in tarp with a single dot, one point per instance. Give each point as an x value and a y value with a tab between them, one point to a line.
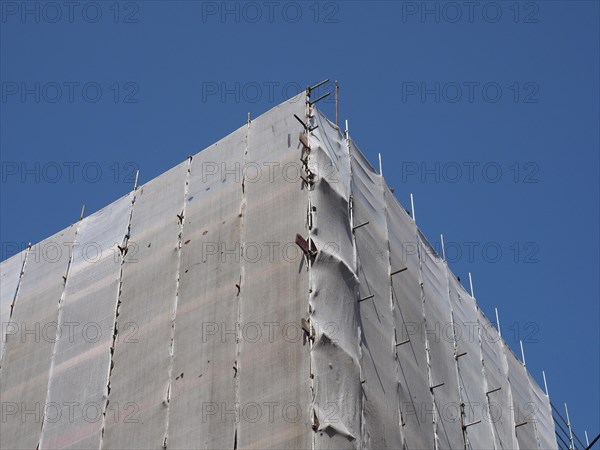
176	298
12	301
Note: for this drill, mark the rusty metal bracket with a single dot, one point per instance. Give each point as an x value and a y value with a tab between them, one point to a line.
307	246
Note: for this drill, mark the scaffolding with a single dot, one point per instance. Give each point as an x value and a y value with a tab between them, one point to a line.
268	292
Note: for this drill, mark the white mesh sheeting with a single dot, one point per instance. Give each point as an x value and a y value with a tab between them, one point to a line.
415	398
499	399
333	300
381	406
543	417
524	408
470	369
81	361
202	408
28	352
139	381
273	373
439	335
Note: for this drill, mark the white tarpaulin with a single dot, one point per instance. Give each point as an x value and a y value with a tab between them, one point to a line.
273	366
439	338
28	350
524	409
470	370
335	354
202	406
140	377
416	401
381	410
82	354
543	416
499	398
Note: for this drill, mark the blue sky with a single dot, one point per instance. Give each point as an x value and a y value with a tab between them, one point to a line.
488	113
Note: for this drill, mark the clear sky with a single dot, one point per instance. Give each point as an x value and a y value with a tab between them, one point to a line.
487	111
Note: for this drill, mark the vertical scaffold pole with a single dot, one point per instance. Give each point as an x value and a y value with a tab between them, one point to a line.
572	443
587	441
498	323
471	285
443	247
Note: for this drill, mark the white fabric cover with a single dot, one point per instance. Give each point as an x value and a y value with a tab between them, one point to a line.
82	357
140	378
203	389
416	401
524	408
334	316
500	413
381	412
28	350
470	369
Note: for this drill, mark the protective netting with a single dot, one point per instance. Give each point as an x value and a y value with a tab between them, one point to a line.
381	410
137	411
333	303
543	417
30	341
268	292
416	401
273	367
438	335
470	370
523	408
499	396
82	352
203	391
